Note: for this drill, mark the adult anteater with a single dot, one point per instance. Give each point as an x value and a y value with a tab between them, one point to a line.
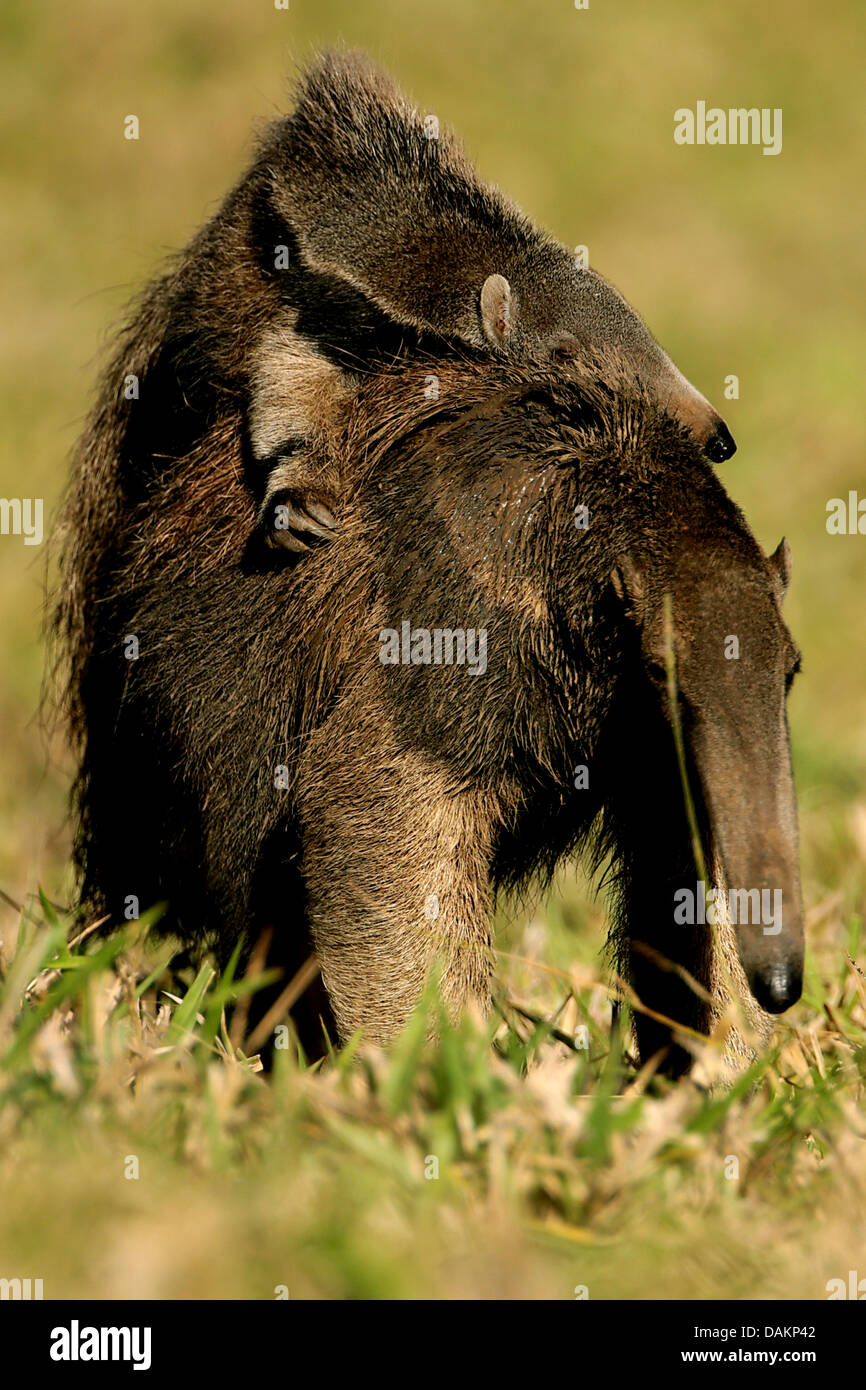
331	746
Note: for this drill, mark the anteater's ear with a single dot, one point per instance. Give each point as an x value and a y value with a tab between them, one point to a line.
497	310
780	560
628	585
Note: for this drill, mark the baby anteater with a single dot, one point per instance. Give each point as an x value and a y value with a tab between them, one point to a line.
354	240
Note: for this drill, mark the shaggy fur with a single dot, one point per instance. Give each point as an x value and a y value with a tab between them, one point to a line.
369	347
389	239
410	782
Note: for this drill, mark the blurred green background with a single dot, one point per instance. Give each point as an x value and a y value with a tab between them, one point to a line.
740	263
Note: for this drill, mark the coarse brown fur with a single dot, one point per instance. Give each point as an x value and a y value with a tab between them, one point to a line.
258	764
352	242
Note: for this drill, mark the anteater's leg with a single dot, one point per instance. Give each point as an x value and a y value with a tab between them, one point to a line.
658	956
396	867
684	970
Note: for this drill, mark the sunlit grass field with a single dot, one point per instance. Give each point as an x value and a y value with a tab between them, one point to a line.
558	1169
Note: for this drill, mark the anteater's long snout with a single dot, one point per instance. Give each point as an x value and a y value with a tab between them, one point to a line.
777	986
753	826
720	445
702	419
772	950
764	903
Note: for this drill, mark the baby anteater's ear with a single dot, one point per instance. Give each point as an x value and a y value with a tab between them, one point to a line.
497	311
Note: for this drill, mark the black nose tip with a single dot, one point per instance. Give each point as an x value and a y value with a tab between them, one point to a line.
721	445
777	987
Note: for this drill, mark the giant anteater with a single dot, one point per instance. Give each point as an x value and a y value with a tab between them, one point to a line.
331	746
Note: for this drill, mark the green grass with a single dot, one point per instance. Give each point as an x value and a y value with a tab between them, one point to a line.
555	1170
151	1157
